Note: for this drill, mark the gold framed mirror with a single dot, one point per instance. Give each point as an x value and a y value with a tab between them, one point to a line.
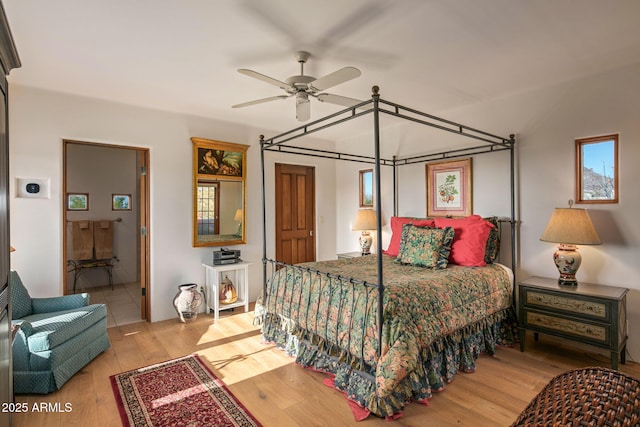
219	189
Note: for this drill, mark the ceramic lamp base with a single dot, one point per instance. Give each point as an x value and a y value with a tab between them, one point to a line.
568	260
365	243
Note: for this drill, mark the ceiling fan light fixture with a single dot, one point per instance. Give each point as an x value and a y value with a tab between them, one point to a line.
302	97
303	108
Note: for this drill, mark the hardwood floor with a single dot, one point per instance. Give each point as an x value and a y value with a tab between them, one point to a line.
280	393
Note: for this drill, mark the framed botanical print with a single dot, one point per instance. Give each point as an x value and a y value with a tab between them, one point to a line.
449	188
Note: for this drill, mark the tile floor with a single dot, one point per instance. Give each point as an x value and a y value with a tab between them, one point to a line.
123	302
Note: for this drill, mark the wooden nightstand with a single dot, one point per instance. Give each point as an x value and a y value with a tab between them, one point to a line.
587	313
349	255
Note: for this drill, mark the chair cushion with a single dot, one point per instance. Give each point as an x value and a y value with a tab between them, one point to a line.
20	299
51	329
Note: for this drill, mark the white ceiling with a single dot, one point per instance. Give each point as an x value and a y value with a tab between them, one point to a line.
183	55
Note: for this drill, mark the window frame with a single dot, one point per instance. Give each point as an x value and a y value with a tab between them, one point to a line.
581	144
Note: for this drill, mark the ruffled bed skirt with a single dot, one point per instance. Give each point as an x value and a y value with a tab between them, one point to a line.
440	361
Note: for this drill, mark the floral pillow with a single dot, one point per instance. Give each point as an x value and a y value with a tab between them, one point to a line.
425	246
396	231
493	242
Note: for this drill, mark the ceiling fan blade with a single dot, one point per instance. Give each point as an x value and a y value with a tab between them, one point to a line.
303	107
337	99
270	80
260	101
335	78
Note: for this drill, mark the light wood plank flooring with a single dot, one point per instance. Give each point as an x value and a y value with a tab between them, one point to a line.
280	393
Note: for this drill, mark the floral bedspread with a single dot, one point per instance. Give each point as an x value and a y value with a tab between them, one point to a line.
436	322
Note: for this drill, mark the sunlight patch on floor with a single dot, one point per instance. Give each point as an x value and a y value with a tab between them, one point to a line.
236	336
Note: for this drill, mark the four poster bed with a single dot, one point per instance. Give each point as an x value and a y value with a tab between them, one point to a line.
393	327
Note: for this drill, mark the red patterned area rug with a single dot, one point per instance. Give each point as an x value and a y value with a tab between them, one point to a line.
179	392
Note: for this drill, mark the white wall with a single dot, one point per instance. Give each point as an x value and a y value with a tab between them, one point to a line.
546	122
39	120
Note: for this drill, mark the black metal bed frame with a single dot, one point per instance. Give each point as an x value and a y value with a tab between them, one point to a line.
488	143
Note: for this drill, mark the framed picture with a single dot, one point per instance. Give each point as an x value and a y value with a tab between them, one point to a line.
366	188
121	202
449	188
597	169
217	159
77	201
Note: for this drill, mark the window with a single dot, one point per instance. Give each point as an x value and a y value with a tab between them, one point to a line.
208	206
366	188
597	169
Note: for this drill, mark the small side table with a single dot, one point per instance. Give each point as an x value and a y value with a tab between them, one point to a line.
587	313
238	273
350	255
78	266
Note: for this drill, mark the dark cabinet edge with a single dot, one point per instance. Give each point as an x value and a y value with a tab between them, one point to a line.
9	58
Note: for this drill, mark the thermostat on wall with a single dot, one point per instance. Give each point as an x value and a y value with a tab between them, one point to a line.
36	188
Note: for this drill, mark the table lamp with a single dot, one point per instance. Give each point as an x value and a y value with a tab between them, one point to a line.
569	227
238	219
365	221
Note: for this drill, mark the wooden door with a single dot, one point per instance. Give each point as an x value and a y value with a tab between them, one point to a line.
295	213
144	249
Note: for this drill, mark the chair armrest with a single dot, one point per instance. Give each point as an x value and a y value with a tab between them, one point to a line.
25	329
20	345
67	302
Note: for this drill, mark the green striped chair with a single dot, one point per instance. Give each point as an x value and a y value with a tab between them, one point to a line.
56	338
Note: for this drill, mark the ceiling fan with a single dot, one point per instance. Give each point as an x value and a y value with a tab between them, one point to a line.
302	87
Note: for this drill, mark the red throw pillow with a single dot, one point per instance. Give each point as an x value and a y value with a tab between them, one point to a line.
470	242
396	231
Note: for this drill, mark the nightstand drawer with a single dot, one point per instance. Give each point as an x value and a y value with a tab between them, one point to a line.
583	307
567	326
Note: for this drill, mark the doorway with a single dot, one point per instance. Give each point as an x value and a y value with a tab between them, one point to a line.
112	184
295	213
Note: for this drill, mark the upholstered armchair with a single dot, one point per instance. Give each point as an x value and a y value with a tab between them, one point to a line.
56	338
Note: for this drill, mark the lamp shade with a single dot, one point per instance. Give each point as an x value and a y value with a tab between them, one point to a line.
238	216
571	226
365	220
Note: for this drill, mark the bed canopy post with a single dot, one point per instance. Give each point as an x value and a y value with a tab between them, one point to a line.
376	141
264	224
395	186
512	141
